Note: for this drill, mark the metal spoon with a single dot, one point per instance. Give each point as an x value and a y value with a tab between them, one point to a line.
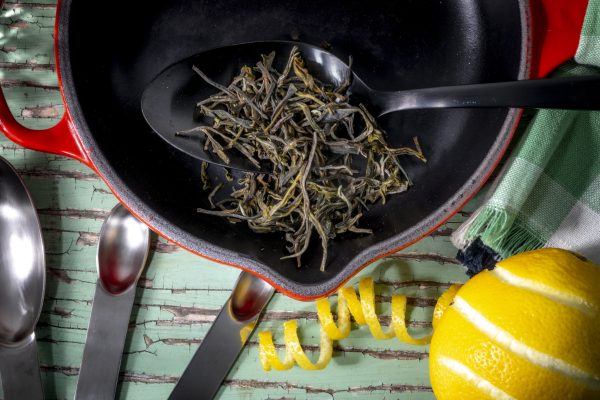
22	283
169	101
225	339
122	252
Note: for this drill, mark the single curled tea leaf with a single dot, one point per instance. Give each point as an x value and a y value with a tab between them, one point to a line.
327	159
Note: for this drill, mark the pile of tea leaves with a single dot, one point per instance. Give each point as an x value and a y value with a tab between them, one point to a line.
327	159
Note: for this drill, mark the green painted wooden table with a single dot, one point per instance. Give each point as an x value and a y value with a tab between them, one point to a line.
180	294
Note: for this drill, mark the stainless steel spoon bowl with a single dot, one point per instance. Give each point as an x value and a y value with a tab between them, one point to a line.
22	282
122	252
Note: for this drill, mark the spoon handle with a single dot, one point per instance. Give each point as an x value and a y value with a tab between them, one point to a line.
218	351
104	344
20	371
572	93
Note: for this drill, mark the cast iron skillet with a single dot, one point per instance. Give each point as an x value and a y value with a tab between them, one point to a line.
395	45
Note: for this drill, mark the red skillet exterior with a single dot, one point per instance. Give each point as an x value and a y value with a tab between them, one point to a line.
555	28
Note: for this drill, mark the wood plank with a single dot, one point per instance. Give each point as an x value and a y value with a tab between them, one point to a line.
26	37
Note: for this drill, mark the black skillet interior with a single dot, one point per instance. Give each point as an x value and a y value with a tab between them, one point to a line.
395	45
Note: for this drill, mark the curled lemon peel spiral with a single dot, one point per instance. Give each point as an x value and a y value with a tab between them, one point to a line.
293	350
363	312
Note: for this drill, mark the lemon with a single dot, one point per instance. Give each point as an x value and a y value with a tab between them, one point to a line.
528	329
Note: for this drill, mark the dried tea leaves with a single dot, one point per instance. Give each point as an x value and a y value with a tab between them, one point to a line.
327	159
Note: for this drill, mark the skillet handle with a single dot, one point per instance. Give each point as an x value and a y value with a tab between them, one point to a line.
555	31
61	139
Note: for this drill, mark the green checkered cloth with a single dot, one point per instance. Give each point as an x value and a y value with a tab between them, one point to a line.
548	193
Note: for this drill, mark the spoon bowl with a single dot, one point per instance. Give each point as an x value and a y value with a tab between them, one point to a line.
122	250
22	285
22	263
169	101
249	297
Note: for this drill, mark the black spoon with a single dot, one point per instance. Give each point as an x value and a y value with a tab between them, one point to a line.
169	101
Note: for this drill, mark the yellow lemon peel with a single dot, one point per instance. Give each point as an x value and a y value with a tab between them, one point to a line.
246	331
443	303
293	350
349	304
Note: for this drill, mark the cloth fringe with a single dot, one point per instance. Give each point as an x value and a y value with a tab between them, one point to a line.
497	229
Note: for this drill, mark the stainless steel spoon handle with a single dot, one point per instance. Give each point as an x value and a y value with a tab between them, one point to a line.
20	371
575	93
103	349
219	348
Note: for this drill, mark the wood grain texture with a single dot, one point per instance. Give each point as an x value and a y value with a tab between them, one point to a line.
180	294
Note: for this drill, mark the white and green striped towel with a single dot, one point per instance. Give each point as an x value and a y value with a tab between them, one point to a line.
548	193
